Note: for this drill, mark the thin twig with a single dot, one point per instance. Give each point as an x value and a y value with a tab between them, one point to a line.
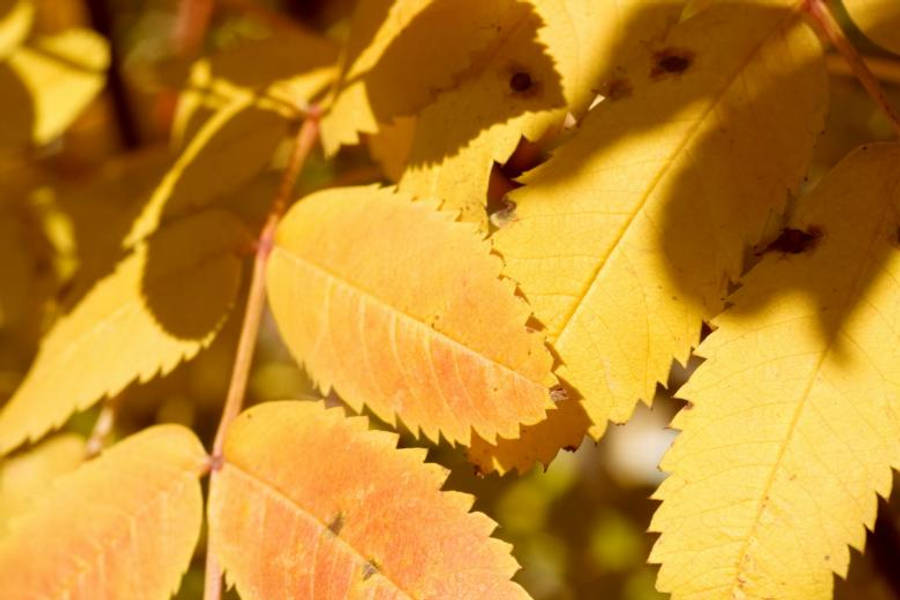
102	21
256	301
824	21
191	25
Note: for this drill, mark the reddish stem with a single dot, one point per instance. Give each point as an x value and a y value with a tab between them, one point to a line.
824	21
256	301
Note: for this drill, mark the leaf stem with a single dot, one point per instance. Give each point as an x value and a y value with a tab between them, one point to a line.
823	19
256	301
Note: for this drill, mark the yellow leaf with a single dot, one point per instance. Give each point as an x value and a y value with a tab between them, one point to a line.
548	65
232	147
16	17
163	303
400	55
121	526
391	145
793	425
564	428
625	240
26	477
401	309
879	20
60	74
309	504
290	66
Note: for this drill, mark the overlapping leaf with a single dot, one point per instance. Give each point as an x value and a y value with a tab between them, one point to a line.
879	20
309	504
547	64
624	241
47	83
401	309
163	303
794	422
16	17
232	147
26	477
565	427
282	72
400	55
121	526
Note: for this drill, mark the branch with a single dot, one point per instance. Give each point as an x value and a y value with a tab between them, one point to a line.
256	301
825	23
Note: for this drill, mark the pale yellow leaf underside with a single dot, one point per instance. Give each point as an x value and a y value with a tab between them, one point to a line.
401	309
564	46
137	322
879	20
121	526
624	241
795	422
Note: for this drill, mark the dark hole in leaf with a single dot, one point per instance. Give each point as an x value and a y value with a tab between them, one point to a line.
520	82
795	241
671	60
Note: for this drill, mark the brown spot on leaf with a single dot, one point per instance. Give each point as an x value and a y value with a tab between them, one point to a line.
671	61
795	241
570	448
617	89
520	82
337	523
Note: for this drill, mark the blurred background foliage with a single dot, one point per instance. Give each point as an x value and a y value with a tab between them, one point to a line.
66	202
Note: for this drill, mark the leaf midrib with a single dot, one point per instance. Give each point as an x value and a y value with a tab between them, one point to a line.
282	496
400	313
663	171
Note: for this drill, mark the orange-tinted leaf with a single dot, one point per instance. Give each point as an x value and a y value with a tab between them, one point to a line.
121	526
309	504
564	427
400	308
